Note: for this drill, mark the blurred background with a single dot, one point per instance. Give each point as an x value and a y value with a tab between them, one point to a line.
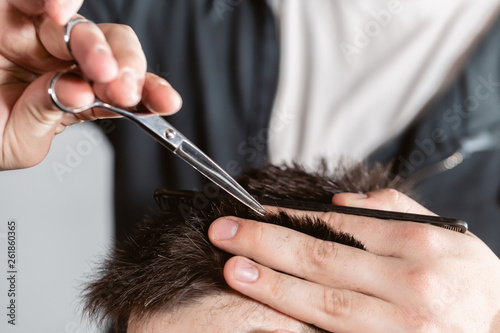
408	81
63	212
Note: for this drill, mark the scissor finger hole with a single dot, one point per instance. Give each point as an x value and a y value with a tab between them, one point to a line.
71	92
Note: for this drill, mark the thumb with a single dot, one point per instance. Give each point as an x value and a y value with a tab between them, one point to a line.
34	120
386	199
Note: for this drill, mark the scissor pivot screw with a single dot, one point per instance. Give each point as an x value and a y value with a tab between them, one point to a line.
170	134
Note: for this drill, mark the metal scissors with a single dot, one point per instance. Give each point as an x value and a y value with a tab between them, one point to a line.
160	130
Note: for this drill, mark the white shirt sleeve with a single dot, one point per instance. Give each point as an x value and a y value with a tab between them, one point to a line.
354	73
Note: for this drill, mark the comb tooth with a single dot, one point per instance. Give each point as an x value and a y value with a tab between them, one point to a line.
451	227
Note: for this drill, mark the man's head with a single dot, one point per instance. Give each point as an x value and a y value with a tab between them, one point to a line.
168	277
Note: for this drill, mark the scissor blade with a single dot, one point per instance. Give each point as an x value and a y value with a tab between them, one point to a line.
201	162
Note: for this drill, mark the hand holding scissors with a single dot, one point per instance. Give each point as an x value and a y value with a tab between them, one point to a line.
33	50
158	128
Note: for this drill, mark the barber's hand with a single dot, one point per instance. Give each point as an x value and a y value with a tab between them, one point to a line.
413	278
32	51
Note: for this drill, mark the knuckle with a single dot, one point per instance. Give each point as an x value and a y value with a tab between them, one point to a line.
392	197
423	282
132	59
423	237
337	303
121	33
426	236
130	34
391	193
277	290
417	322
333	220
320	253
125	29
258	233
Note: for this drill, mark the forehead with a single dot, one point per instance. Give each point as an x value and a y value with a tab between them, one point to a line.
224	313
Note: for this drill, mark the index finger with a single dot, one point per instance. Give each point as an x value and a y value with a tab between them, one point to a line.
389	238
298	254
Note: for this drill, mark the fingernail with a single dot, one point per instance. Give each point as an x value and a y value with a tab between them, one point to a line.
177	100
350	199
354	196
164	82
245	272
129	80
224	229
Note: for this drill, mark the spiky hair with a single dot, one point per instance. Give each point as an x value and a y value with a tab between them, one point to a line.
169	262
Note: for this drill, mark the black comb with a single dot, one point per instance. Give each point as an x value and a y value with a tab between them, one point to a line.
170	199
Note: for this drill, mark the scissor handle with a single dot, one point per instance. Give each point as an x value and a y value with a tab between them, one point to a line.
156	126
139	110
73	70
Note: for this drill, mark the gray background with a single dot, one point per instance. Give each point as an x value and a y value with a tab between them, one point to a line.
64	223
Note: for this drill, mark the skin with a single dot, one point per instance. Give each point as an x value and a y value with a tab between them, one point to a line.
224	313
32	51
413	278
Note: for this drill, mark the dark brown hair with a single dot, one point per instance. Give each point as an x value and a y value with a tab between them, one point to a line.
169	262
